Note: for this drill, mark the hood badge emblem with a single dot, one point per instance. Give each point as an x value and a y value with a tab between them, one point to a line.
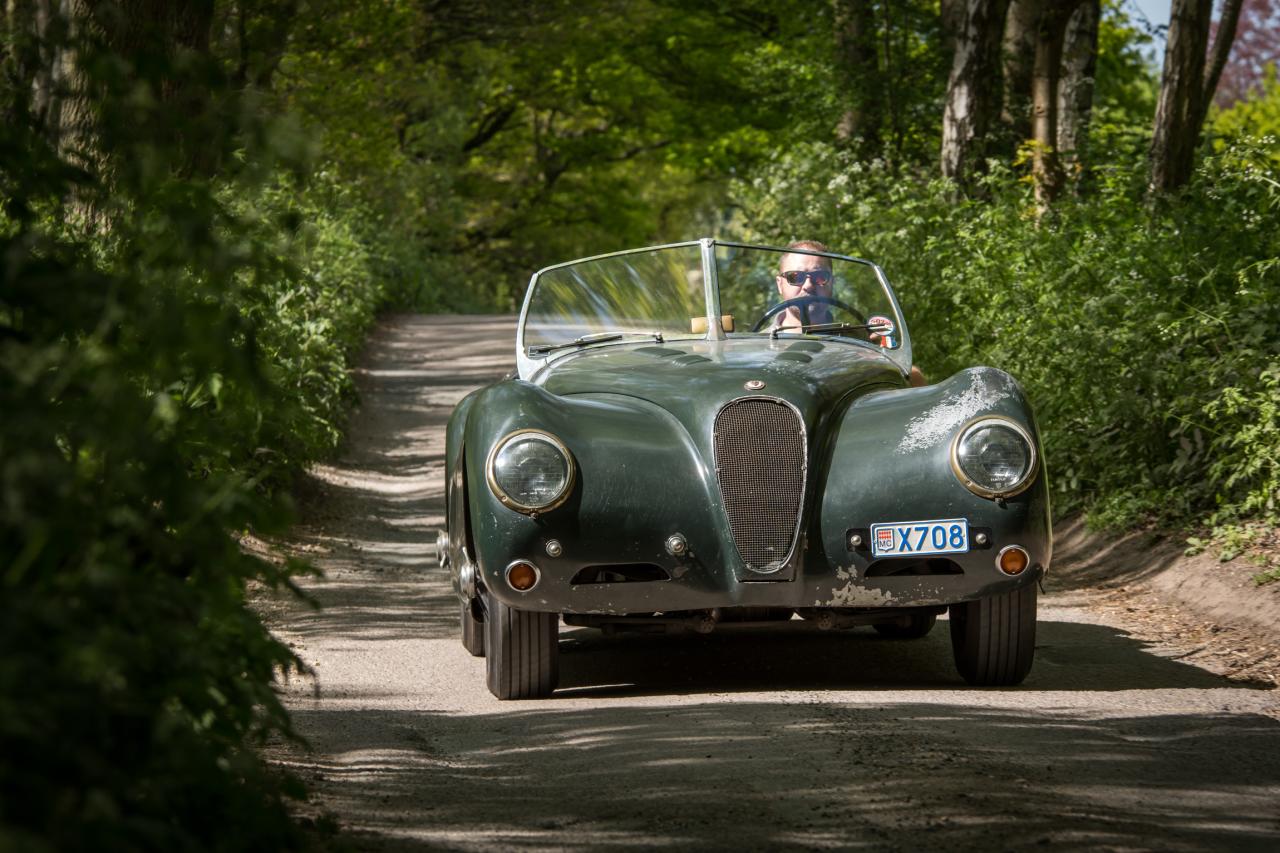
754	384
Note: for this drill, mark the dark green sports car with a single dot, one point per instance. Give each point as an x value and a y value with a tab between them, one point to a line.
711	432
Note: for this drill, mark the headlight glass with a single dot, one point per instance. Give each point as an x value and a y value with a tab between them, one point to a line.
531	470
995	456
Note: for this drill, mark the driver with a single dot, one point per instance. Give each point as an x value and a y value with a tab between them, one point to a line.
810	275
803	275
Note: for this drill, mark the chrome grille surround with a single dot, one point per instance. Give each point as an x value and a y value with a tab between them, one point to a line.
762	452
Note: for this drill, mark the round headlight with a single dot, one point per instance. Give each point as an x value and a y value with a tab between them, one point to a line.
530	471
994	457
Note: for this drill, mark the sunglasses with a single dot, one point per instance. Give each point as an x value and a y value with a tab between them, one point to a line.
819	277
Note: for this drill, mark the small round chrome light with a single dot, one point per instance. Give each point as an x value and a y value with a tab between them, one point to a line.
994	457
530	471
1013	560
522	575
554	548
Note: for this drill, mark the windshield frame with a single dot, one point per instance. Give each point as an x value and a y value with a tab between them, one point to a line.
528	366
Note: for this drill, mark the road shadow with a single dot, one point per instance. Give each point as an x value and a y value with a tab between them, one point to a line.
820	775
1069	656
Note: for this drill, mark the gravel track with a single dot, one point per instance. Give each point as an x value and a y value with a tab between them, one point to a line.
748	739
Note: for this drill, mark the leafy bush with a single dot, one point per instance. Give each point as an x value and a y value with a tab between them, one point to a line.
1146	337
173	343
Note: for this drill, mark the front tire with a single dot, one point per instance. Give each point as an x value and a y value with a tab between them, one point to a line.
521	651
472	630
994	639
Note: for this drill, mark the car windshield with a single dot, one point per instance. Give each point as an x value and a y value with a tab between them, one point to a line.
653	290
662	294
778	292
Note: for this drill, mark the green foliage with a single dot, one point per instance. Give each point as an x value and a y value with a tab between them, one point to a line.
1127	83
1145	337
176	313
494	136
1256	117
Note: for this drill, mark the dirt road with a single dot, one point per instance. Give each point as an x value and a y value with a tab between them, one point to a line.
759	739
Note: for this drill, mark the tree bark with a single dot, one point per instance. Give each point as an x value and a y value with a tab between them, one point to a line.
1226	35
1046	165
1076	83
859	69
1176	130
1018	55
972	87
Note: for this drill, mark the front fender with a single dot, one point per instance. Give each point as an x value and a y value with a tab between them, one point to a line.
641	478
891	462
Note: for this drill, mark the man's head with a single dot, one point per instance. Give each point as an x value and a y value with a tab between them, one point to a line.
804	275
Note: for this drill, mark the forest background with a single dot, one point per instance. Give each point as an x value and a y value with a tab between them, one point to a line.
206	202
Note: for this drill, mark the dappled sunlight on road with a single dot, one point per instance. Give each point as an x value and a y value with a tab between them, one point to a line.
780	736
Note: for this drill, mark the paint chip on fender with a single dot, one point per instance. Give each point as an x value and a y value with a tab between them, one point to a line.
937	423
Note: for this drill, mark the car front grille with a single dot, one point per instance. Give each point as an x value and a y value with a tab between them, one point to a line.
760	465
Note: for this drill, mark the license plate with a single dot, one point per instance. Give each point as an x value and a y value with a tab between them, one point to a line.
920	538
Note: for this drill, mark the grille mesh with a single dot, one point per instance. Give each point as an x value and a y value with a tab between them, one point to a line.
760	464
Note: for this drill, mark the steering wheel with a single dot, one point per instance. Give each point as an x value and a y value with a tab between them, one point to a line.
804	303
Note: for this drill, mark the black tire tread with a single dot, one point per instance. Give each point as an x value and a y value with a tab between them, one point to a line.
521	651
993	639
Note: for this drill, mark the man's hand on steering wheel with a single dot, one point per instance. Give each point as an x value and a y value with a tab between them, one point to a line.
803	303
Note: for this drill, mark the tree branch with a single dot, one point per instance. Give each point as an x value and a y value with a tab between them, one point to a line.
489	126
1221	50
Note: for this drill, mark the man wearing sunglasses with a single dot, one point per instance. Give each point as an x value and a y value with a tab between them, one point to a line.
810	275
803	275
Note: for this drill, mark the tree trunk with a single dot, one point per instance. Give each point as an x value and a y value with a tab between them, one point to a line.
1046	165
972	87
1176	131
258	36
26	30
1075	85
1018	55
858	66
1222	42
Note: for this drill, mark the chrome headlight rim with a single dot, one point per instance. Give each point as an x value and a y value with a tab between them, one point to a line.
506	499
977	423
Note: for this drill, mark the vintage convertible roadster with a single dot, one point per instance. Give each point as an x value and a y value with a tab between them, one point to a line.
711	432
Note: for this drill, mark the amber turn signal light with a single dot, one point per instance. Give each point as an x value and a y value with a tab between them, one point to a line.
1013	560
522	576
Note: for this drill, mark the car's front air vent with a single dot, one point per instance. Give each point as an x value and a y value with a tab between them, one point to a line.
760	464
898	567
620	573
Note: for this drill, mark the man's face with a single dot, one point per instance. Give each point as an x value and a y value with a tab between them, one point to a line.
803	275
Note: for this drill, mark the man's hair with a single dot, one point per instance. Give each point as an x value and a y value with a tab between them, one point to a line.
809	245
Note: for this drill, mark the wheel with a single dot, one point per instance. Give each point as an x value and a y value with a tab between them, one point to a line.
994	639
521	651
917	626
472	629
